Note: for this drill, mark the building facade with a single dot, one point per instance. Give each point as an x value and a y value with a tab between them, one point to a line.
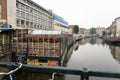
3	10
0	12
60	24
99	31
28	14
115	27
84	32
70	28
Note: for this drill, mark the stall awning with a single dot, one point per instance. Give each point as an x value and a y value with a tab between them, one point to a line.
46	32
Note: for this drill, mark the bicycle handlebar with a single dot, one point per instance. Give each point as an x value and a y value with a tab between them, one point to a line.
12	71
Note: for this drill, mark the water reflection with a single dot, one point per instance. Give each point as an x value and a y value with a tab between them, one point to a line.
115	51
96	55
92	41
66	57
76	45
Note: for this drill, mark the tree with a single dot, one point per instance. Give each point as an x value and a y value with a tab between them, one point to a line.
103	33
76	29
92	31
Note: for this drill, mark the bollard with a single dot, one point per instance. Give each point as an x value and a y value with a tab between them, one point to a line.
85	74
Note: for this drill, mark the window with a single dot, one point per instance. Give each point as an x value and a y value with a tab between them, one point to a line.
18	22
18	13
33	18
25	1
27	8
23	14
18	5
27	23
34	26
22	22
27	16
30	17
23	6
31	24
41	26
31	11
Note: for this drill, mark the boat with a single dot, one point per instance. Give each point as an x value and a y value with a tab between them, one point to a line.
112	40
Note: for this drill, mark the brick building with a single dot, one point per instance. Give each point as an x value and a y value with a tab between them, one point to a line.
3	10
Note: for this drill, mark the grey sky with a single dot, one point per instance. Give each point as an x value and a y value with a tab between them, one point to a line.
85	13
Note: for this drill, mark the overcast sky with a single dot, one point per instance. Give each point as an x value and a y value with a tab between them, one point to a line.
85	13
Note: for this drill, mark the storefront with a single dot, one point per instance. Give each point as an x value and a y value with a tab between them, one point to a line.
5	40
44	48
41	47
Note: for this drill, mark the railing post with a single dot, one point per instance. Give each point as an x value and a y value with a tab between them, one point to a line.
82	77
87	78
85	75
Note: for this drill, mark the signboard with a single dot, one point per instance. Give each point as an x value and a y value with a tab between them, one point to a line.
19	57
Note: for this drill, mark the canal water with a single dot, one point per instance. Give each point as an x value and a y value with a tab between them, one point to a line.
95	55
90	53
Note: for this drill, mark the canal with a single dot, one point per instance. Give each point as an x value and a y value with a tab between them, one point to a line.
90	53
94	55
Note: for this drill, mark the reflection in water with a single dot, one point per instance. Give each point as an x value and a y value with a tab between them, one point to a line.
95	55
115	51
76	45
69	53
93	41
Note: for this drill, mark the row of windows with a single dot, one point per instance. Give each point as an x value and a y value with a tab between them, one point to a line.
28	24
41	21
29	15
32	17
32	10
33	4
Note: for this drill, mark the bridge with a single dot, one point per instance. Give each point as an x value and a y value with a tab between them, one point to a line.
83	73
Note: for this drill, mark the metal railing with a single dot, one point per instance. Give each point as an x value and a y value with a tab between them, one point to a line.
11	72
83	73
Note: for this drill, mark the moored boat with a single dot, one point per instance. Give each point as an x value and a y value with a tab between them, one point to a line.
112	40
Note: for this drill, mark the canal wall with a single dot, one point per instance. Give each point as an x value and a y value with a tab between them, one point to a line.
68	51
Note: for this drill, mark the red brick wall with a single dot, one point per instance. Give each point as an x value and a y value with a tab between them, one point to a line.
3	4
